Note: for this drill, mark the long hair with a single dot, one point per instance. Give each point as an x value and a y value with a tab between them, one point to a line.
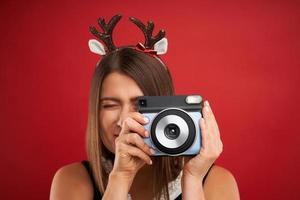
154	79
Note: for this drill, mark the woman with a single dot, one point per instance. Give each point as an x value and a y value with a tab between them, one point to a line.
120	165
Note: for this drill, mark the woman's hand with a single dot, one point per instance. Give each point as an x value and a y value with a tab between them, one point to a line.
211	147
131	152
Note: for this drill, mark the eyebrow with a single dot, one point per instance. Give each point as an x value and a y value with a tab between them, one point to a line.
133	99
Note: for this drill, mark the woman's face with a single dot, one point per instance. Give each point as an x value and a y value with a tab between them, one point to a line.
117	99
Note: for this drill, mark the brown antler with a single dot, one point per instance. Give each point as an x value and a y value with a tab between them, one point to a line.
106	37
149	40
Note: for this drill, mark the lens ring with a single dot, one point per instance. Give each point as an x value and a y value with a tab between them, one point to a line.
162	142
164	122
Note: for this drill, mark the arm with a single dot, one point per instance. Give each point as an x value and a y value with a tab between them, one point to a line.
73	182
131	154
191	187
117	181
219	185
196	168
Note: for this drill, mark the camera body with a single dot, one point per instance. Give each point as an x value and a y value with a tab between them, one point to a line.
173	123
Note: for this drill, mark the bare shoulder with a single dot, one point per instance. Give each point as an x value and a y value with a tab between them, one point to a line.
220	184
71	182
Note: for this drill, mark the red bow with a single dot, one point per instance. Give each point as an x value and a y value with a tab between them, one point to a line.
141	47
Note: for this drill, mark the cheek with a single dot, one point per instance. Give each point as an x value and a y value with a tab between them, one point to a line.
108	123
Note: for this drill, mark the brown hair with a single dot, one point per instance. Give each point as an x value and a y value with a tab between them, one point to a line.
154	79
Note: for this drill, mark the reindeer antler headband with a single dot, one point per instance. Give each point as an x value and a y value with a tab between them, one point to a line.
156	45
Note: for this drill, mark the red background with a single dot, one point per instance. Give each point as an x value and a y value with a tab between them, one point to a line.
242	56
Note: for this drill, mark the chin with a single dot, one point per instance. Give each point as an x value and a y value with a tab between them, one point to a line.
110	146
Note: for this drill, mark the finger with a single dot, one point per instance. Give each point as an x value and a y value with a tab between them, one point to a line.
209	144
207	112
137	141
136	152
203	128
140	118
210	119
130	125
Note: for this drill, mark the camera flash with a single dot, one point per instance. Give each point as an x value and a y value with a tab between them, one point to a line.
193	99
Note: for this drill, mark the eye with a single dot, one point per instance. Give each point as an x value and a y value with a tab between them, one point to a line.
109	105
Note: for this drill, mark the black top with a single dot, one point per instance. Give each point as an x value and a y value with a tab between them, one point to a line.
97	194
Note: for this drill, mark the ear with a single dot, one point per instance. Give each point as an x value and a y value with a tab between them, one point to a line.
96	47
161	46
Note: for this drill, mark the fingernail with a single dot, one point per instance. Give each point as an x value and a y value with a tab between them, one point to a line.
146	120
146	133
206	102
152	151
150	162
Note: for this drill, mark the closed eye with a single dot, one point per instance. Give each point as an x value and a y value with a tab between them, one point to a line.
109	105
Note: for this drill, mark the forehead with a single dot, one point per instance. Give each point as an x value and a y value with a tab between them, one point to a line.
120	86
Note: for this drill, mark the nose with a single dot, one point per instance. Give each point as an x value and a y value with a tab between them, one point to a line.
125	112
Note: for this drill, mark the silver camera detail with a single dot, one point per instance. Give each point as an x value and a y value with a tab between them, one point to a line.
173	124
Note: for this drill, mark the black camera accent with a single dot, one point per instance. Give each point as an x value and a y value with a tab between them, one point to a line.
172	131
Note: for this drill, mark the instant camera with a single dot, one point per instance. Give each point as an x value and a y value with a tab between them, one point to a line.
173	123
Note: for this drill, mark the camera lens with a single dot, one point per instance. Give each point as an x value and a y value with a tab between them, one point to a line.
172	131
